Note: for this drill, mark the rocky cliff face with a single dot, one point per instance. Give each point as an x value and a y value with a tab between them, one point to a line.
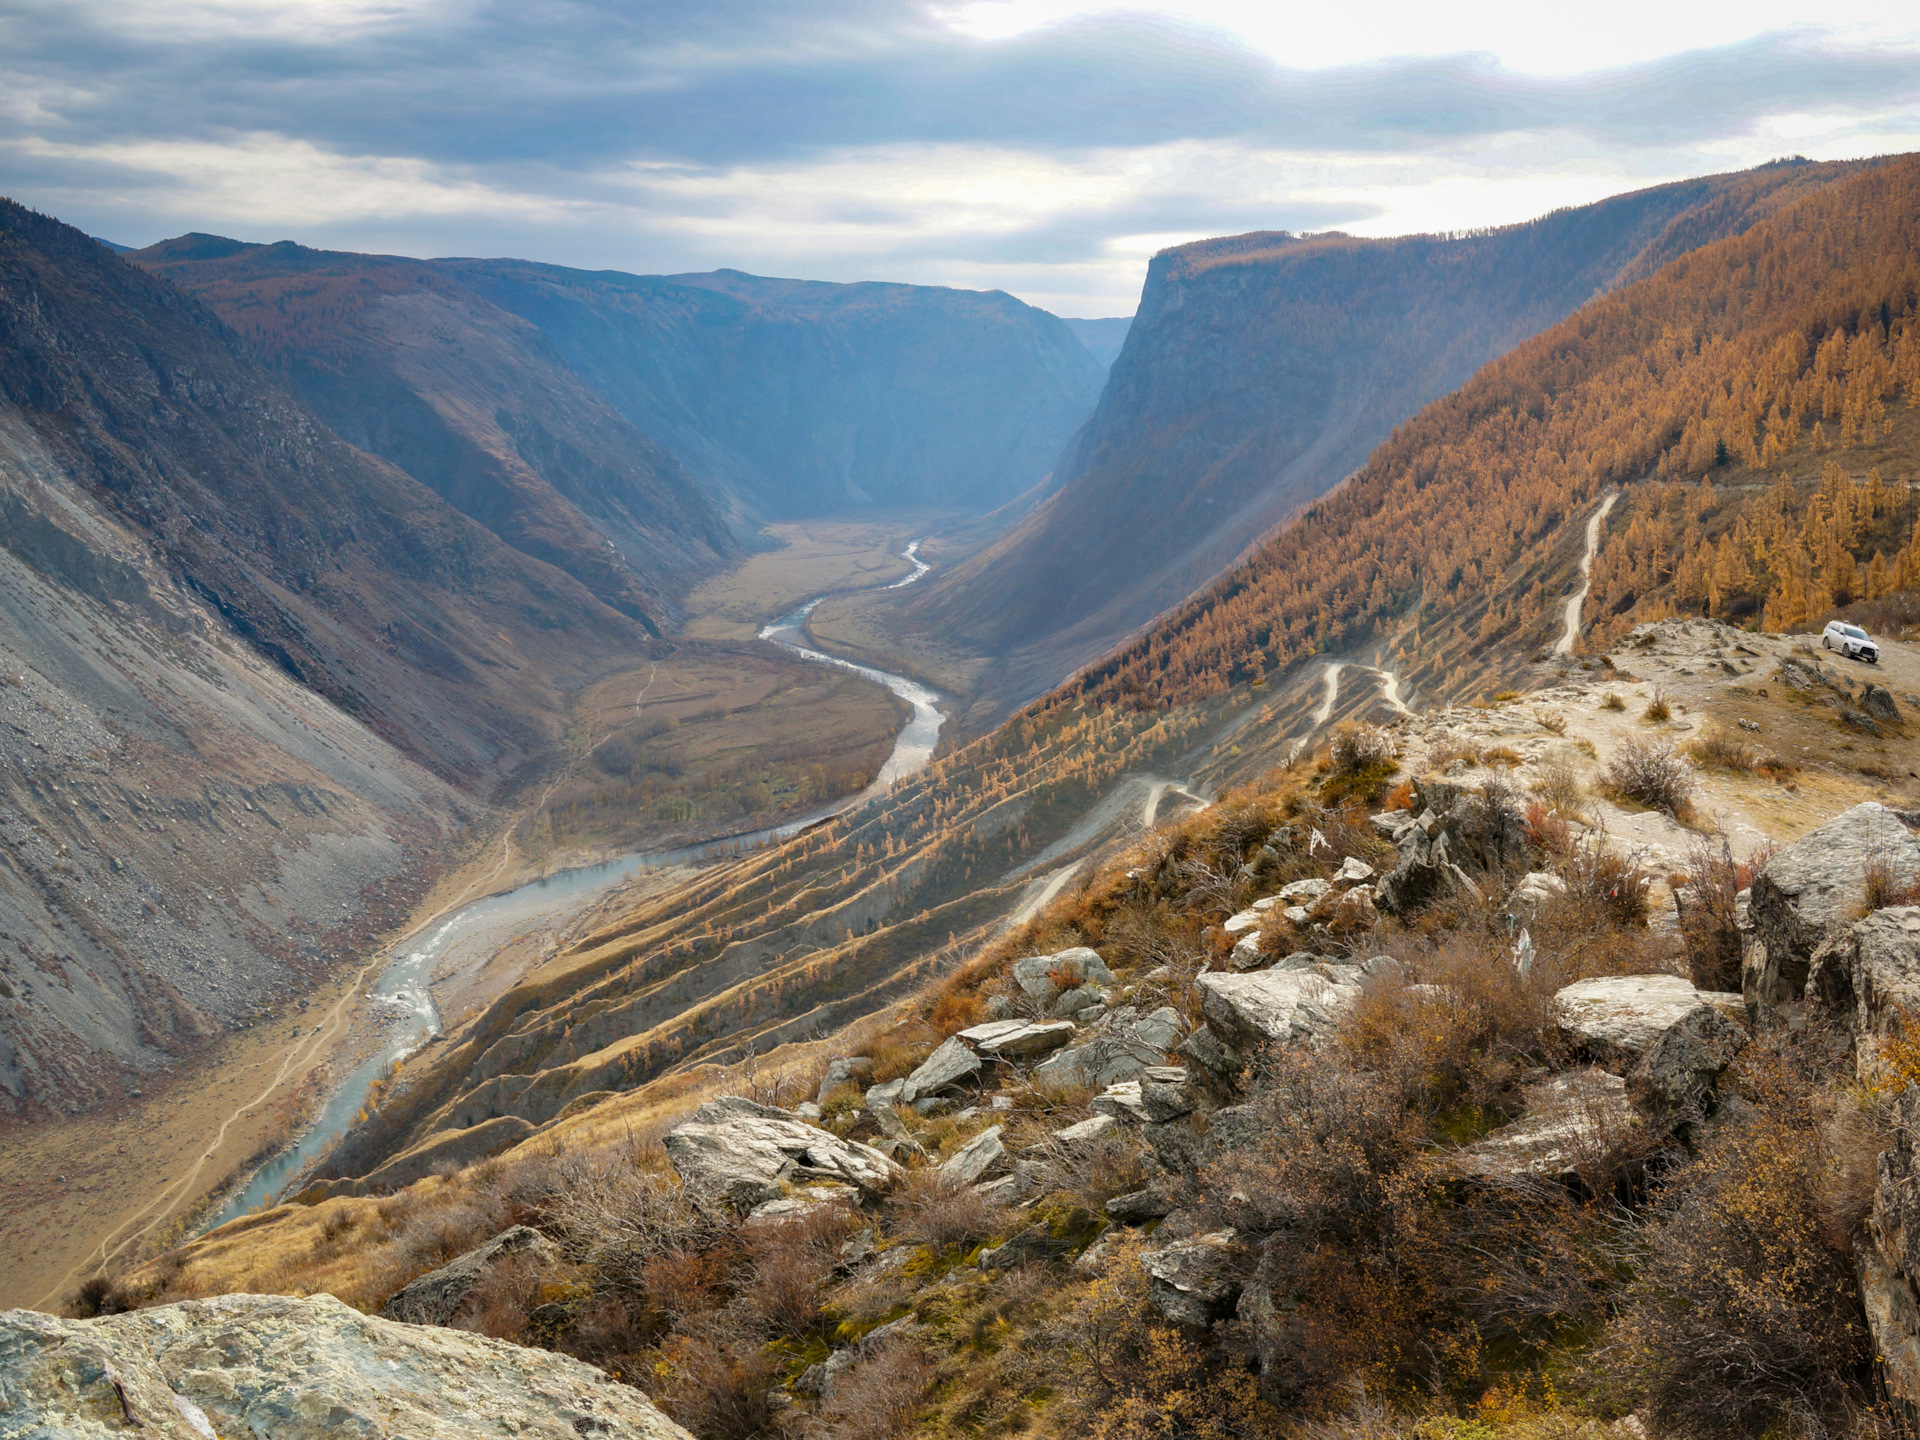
1260	370
250	677
801	398
470	401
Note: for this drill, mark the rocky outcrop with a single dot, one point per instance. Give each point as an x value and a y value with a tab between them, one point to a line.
1867	979
1195	1282
1889	1259
1670	1040
277	1368
1808	891
745	1152
1574	1125
1122	1052
436	1297
1273	1007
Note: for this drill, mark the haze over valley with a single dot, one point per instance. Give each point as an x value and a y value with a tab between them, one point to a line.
1044	723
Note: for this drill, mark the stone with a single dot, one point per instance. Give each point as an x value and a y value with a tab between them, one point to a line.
1195	1282
274	1367
1030	1040
1246	954
1236	1127
436	1297
1889	1259
1354	910
1879	704
1423	872
1109	1058
1619	1017
1121	1102
1241	922
1353	871
1070	1004
884	1096
1536	889
991	1030
1212	1054
1166	1100
802	1203
973	1160
1051	1239
1302	891
453	1148
1091	1128
1869	977
1137	1207
1297	916
1391	824
1044	976
1006	1190
950	1063
746	1152
1281	1007
1574	1124
840	1072
1177	1145
1814	886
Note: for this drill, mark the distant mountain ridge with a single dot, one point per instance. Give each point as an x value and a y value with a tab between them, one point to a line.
1103	337
1260	370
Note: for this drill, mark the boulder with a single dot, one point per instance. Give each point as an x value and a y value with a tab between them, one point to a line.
1212	1054
274	1367
1241	922
1423	872
1889	1259
1246	954
1071	1004
1815	886
747	1152
452	1148
1195	1282
1672	1040
1879	704
1302	892
1117	1055
842	1072
973	1160
1868	977
1391	823
1044	976
1536	889
1121	1102
1024	1040
1091	1128
1280	1007
1137	1207
1348	911
1164	1094
1573	1124
436	1297
1353	871
950	1063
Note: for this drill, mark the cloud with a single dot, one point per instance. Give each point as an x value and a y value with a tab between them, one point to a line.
846	138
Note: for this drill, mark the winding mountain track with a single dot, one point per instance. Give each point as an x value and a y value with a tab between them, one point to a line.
1331	675
1577	601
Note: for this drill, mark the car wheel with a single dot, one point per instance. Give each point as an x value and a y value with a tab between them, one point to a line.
1826	643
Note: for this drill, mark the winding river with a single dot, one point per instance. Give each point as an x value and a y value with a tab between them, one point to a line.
403	987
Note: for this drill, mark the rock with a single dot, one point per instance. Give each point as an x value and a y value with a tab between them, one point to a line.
1028	1039
1352	871
1673	1040
452	1148
1166	1099
974	1159
1879	704
1889	1259
950	1063
1137	1207
1302	891
807	1110
1818	884
1235	1127
1866	977
802	1203
1423	872
735	1148
1113	1057
1865	724
1212	1054
1195	1281
436	1297
1044	976
1077	1001
274	1367
1243	921
1574	1124
1246	955
1091	1128
1177	1145
1272	1006
842	1072
1353	910
1007	1190
1536	889
1051	1239
1392	824
1121	1102
884	1096
1297	915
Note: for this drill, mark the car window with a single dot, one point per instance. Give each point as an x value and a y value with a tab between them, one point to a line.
1854	632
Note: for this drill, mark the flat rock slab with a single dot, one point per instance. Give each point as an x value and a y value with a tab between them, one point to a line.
1273	1007
1194	1280
745	1151
949	1064
974	1159
1571	1122
1622	1015
436	1297
1028	1040
272	1367
1044	976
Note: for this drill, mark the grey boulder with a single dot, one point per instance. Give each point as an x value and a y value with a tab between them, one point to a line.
748	1153
1121	1053
1574	1124
1277	1007
949	1064
436	1297
974	1159
1042	977
1195	1282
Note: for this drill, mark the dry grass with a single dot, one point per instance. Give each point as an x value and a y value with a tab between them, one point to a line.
1658	710
1558	784
1652	775
932	1210
1612	701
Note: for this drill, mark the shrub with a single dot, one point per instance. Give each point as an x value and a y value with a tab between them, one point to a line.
1450	750
715	1383
1607	885
1359	747
880	1398
940	1213
1557	783
1652	775
1725	751
1707	925
1658	711
1552	721
1612	701
1884	888
99	1295
784	1270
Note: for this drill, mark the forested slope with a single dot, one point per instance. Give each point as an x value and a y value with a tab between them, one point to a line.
1260	370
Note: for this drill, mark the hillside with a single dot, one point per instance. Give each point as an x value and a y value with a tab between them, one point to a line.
1103	337
1260	371
251	678
797	397
472	402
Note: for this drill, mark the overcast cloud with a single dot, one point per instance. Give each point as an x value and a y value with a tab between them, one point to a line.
1044	148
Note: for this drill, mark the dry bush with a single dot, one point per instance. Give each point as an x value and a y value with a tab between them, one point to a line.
1450	750
1502	755
1744	1315
1659	710
1358	747
1552	721
1612	701
101	1294
616	1219
1094	1171
783	1271
1547	831
716	1383
1558	784
879	1398
1606	887
511	1290
1883	887
1707	919
1724	750
933	1210
1652	775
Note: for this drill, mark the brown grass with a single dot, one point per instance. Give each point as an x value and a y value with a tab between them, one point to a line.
1652	775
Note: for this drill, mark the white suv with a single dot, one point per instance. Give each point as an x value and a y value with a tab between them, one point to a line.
1850	640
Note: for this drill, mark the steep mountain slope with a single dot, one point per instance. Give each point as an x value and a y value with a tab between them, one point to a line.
1260	370
470	401
1104	337
253	677
802	398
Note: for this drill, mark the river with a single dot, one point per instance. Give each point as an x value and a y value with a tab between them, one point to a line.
403	987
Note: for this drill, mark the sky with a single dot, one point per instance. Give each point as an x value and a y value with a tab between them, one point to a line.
1043	147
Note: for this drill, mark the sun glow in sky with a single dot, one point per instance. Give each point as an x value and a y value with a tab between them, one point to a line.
1045	147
